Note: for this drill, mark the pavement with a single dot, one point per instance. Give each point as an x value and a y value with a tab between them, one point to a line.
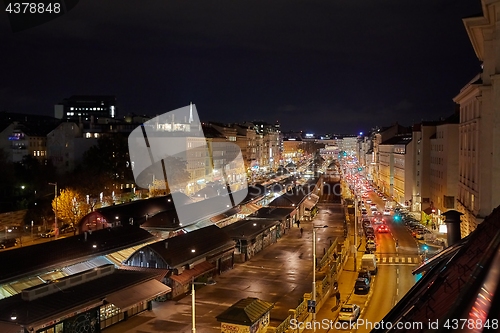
329	312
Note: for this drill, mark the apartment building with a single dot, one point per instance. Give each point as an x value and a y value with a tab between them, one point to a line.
444	167
479	128
380	136
25	135
396	167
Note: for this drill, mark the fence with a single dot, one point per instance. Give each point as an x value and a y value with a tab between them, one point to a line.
322	289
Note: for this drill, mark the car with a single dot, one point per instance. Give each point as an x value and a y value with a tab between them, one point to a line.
8	242
48	233
409	223
421	233
366	223
373	208
369	231
371	238
364	273
67	227
382	229
349	312
387	211
368	201
370	245
415	226
361	286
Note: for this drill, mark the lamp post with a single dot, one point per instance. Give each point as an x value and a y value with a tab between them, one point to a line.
314	271
193	300
355	249
55	197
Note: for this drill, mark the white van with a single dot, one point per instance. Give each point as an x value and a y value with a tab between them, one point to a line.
369	262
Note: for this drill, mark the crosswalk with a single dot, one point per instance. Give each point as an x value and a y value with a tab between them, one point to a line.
398	260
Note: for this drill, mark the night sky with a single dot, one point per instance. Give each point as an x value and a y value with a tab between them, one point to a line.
337	66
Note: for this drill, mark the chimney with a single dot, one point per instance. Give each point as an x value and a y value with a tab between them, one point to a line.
453	226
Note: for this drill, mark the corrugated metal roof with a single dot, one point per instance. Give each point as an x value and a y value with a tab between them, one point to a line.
29	260
86	265
193	273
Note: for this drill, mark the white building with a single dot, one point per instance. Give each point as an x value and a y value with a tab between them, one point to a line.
479	129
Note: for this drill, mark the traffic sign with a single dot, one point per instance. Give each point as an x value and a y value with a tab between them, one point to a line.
311	306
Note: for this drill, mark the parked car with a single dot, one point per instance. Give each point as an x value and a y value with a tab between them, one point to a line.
48	233
8	242
349	312
67	227
364	273
387	211
362	286
421	233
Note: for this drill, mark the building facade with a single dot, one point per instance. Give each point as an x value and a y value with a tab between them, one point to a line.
86	108
479	128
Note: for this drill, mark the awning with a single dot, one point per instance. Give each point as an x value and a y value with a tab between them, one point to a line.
193	273
146	291
311	201
314	197
249	208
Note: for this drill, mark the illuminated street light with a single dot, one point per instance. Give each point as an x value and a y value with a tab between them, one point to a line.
193	299
55	197
314	269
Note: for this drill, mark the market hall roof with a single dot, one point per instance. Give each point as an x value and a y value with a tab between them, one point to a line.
27	260
138	210
276	213
248	229
178	250
90	293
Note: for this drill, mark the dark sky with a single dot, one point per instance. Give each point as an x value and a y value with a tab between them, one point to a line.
323	66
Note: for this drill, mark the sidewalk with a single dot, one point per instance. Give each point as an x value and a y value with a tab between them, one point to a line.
329	312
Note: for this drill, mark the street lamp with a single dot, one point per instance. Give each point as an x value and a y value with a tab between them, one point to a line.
314	271
193	299
55	197
354	249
